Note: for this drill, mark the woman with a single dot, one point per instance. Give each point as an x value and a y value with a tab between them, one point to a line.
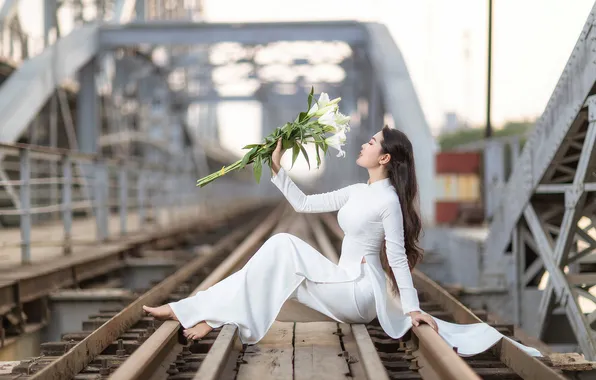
381	224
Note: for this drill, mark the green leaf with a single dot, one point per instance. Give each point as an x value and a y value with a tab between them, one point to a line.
247	157
301	117
286	144
318	156
310	96
250	146
305	155
257	169
295	151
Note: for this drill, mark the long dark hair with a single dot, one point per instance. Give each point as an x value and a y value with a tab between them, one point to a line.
402	174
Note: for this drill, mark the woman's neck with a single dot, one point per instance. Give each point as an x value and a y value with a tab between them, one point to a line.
376	174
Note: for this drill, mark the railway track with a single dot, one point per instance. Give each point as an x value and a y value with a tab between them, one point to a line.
418	355
110	337
125	344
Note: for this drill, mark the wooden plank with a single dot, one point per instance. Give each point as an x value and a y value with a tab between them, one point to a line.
317	352
571	362
271	358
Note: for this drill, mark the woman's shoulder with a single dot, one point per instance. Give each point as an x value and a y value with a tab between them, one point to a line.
389	200
356	186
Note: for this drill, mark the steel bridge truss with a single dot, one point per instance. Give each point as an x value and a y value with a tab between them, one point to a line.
375	73
547	217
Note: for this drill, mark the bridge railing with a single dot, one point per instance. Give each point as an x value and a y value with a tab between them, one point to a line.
120	195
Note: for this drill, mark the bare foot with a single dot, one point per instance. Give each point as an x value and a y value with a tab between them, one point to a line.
161	313
197	331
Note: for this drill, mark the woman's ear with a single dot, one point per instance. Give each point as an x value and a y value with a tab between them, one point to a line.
385	159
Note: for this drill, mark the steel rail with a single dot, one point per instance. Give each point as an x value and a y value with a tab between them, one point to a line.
76	359
145	360
443	362
520	362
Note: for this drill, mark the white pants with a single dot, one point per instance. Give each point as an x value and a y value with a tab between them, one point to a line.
252	297
357	299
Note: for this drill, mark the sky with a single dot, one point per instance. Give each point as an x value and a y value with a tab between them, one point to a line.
532	40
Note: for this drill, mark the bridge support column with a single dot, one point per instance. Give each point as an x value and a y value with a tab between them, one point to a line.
88	109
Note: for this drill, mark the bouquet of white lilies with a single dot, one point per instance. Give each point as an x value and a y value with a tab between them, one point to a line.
321	118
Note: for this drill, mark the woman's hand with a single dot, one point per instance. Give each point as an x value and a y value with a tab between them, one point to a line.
418	317
276	157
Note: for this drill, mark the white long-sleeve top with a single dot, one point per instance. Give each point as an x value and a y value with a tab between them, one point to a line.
369	215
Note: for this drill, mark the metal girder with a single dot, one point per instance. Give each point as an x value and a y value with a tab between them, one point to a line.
25	92
545	140
553	252
88	112
188	33
549	191
561	288
400	100
271	96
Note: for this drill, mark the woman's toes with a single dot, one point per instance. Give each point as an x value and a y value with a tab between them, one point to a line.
162	312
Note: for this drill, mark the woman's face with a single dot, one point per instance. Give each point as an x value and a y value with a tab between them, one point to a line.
371	151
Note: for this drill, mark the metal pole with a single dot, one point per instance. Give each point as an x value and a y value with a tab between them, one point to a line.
141	197
67	203
105	198
123	180
25	207
99	199
54	192
489	132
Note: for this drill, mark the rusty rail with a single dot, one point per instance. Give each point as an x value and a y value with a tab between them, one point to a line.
144	361
436	359
441	362
523	364
76	359
508	353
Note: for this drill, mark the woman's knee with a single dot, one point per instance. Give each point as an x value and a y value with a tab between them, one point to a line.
280	236
276	241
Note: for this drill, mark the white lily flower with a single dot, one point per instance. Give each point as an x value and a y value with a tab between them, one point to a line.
323	105
336	120
342	119
336	142
328	119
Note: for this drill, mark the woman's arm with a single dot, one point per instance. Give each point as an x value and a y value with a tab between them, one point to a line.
325	202
396	255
